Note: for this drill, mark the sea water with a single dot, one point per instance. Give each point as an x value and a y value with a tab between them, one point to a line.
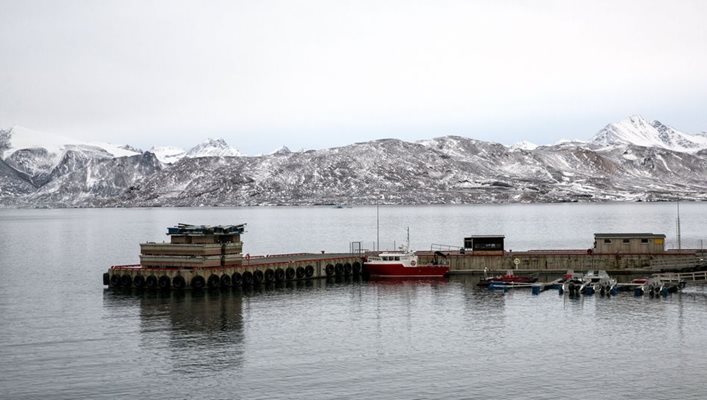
64	336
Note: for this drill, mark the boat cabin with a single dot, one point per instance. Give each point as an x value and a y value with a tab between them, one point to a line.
406	259
629	243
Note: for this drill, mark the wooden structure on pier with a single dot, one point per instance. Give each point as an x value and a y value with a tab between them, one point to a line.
195	246
631	243
202	256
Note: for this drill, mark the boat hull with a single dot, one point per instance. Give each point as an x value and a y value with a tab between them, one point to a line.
401	271
509	280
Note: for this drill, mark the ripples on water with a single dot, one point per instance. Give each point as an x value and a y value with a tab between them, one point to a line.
417	339
63	336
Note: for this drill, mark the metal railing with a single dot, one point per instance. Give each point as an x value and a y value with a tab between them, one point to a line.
678	263
443	247
694	277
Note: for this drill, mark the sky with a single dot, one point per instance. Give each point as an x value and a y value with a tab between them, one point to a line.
313	74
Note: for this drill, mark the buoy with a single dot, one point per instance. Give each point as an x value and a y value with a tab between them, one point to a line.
151	282
106	279
269	275
279	274
248	278
347	269
198	282
329	270
237	279
214	281
164	282
115	280
309	271
356	267
179	283
225	280
258	276
126	281
139	281
299	272
338	269
290	273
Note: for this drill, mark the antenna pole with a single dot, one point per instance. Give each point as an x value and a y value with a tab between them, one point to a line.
678	227
378	237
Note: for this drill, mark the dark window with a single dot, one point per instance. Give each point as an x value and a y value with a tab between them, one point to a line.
607	241
644	241
627	241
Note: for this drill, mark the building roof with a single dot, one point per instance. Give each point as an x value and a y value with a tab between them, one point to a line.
485	237
188	229
629	235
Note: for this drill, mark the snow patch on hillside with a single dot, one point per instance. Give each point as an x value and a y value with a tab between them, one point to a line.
168	154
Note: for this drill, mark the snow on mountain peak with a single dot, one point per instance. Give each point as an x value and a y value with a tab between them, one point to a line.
19	138
638	131
213	148
282	151
524	145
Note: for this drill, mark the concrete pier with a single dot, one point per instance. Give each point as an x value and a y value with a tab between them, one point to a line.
253	270
563	260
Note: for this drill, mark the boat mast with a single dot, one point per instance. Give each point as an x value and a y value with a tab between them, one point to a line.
378	237
408	243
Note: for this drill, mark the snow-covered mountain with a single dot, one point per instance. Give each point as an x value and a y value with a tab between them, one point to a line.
629	160
209	148
213	148
40	156
282	151
524	145
19	138
638	131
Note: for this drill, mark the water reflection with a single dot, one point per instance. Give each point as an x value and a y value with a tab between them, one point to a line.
205	330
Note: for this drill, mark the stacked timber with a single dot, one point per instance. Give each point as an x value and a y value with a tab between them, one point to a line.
195	246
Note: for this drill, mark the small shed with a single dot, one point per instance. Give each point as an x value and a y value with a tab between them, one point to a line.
484	242
629	243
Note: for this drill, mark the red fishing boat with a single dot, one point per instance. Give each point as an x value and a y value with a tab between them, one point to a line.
403	264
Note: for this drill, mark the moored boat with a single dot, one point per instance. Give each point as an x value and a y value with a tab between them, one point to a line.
402	264
589	283
508	279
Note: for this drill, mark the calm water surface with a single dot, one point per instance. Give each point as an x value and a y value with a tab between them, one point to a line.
62	335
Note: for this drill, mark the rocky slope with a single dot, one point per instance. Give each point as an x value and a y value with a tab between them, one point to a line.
630	160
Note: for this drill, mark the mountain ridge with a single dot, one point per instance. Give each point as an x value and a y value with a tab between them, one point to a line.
663	165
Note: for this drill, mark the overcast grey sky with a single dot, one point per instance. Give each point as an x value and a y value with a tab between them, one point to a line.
314	74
